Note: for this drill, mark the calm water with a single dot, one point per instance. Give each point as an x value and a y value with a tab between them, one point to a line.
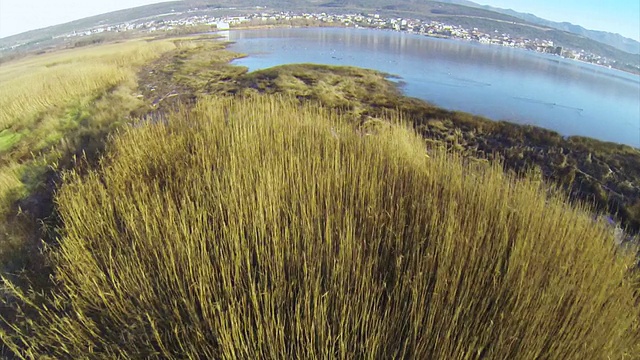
500	83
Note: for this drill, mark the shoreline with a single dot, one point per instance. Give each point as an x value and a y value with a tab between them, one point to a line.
438	36
603	175
518	118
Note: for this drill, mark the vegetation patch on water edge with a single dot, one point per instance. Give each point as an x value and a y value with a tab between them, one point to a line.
602	174
262	228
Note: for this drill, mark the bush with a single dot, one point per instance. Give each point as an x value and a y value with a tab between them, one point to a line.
262	228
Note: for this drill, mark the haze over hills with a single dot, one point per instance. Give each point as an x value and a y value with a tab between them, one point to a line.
458	12
616	40
564	33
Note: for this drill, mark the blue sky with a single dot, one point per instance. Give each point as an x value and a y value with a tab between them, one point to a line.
18	16
618	16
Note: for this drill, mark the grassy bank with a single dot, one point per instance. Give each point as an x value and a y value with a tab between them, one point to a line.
605	175
265	229
56	108
59	108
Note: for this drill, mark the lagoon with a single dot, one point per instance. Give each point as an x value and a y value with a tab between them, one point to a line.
515	85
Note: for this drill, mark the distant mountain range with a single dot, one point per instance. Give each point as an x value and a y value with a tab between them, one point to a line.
616	40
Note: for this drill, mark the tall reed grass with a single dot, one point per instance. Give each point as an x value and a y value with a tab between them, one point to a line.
43	98
55	107
265	229
31	86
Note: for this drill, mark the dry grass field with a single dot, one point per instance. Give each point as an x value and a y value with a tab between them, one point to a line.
33	87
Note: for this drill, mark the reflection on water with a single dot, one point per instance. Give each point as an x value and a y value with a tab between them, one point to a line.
501	83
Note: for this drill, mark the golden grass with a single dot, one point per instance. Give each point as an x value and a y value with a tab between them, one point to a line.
11	187
265	229
54	107
33	86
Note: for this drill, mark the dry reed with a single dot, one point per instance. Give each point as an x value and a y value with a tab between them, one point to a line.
263	229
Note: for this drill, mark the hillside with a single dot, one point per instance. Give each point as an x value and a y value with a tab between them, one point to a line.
45	34
615	40
456	12
486	20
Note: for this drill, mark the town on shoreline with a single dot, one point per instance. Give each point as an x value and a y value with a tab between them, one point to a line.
194	18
